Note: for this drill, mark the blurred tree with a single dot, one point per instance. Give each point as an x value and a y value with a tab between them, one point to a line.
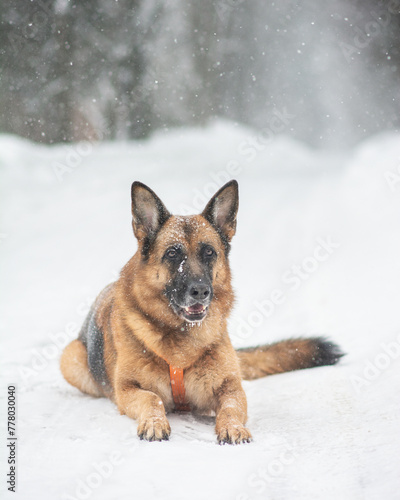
119	69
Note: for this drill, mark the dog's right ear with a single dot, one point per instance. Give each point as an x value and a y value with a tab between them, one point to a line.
148	212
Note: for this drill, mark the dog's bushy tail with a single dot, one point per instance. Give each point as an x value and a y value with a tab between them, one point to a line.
286	356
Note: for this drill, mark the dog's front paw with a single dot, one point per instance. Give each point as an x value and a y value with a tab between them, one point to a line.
234	434
154	429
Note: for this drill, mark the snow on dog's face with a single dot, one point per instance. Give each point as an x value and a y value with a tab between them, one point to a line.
184	259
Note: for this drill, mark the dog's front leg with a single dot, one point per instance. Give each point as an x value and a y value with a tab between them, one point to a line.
231	413
145	407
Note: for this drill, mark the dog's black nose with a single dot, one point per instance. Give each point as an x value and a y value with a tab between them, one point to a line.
200	291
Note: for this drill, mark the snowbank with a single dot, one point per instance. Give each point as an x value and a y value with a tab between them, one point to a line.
318	230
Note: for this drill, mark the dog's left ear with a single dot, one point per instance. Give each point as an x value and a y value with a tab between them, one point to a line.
148	212
222	209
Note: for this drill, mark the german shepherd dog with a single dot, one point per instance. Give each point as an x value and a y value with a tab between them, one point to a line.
156	340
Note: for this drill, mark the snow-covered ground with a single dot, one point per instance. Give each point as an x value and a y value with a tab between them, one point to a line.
322	228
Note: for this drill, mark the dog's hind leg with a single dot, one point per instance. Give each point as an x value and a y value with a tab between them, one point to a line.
74	367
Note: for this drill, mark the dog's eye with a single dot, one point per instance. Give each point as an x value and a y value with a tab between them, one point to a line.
171	253
209	252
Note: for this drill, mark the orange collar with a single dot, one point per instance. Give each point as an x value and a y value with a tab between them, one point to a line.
177	386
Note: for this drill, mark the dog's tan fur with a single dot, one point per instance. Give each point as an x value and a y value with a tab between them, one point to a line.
142	335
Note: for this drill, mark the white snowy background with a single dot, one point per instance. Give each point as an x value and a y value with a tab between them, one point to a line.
324	433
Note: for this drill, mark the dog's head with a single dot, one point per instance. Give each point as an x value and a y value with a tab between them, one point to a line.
184	259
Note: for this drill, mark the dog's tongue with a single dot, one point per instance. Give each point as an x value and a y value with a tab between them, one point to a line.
197	308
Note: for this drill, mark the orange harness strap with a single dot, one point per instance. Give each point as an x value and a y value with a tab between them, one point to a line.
178	388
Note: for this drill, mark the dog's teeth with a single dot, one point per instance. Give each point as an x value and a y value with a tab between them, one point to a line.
188	310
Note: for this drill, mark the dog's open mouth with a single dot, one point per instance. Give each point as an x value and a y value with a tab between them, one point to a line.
196	312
